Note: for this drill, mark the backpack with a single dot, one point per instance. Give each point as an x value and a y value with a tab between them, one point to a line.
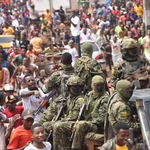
83	72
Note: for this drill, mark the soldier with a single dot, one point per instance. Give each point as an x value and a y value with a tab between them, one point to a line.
60	76
73	101
93	115
129	63
86	67
119	109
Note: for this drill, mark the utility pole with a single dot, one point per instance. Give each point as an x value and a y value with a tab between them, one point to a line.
146	6
51	5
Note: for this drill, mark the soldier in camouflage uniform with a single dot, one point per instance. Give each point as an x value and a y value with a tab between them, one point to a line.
55	80
129	63
86	67
119	109
93	115
72	103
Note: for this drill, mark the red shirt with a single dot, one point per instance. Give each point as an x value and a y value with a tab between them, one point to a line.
116	13
9	114
13	55
135	31
10	51
123	18
84	16
19	138
31	52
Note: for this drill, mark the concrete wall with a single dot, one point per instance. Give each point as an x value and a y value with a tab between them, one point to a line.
101	1
66	4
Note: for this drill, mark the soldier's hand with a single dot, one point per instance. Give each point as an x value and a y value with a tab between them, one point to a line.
136	118
37	94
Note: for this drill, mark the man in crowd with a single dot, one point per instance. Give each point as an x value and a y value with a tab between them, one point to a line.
37	43
4	53
75	29
121	140
21	137
32	96
19	58
146	44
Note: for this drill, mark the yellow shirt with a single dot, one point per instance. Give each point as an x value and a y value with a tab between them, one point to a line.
8	31
36	42
121	147
138	10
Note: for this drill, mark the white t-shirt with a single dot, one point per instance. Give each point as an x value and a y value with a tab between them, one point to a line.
66	51
115	47
75	31
146	42
15	24
32	102
74	54
31	147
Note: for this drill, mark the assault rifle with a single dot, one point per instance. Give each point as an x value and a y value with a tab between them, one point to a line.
78	119
44	102
56	118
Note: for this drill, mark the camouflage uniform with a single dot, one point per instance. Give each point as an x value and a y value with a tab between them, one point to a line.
129	63
54	80
87	67
72	104
119	110
93	115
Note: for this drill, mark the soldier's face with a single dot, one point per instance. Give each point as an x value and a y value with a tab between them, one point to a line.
121	137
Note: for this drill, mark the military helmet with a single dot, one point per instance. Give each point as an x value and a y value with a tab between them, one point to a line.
87	49
129	44
75	80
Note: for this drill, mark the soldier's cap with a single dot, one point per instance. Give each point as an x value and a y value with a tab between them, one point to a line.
10	98
27	113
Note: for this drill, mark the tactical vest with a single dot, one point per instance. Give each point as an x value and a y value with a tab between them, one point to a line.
129	67
135	71
82	71
65	75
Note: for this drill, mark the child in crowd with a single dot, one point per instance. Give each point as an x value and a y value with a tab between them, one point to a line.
21	136
37	133
13	110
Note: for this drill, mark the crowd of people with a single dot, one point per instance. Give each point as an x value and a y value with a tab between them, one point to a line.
53	104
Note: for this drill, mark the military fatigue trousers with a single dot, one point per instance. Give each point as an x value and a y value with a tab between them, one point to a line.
47	128
63	130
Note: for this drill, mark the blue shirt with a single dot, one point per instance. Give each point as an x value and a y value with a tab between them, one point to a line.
134	16
4	64
54	17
